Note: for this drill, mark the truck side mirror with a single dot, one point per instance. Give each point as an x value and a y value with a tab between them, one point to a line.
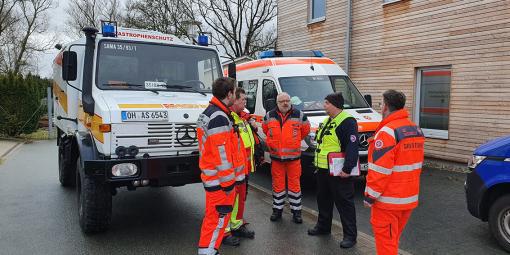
270	104
69	65
232	70
368	98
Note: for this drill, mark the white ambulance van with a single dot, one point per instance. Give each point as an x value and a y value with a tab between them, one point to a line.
307	76
126	106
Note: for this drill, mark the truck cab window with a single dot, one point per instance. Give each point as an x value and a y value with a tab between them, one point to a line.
142	66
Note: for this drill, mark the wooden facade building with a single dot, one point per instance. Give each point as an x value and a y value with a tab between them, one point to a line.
450	57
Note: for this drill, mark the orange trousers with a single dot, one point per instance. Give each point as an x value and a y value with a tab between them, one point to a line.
388	226
289	171
218	205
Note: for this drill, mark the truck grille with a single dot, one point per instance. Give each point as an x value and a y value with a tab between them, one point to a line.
156	139
363	140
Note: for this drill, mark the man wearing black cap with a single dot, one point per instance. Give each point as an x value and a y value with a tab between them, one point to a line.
337	134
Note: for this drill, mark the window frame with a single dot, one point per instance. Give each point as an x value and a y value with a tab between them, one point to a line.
385	2
430	133
262	90
312	20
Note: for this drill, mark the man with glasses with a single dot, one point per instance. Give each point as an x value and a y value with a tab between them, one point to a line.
284	128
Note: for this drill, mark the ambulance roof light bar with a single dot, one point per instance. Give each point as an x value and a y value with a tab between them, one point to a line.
109	28
280	54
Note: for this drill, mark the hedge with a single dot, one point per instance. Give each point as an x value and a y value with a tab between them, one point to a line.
21	103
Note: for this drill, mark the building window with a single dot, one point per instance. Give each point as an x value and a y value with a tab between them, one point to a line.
390	1
316	10
250	87
432	109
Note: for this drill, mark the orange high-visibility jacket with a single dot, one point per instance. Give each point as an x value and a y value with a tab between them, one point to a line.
284	133
222	153
395	158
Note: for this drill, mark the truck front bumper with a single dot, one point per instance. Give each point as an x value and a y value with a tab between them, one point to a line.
158	171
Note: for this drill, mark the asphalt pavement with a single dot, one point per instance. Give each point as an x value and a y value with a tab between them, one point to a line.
38	216
440	225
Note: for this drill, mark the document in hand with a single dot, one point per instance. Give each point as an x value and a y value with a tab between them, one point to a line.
336	163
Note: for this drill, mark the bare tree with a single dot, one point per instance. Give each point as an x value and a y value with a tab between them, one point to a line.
8	16
83	13
239	27
22	40
167	16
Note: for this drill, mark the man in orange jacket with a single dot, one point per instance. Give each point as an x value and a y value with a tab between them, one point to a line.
395	158
284	128
222	161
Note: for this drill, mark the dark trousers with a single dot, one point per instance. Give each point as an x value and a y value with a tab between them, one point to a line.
340	191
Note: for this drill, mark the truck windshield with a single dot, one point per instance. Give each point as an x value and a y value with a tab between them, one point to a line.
147	66
308	92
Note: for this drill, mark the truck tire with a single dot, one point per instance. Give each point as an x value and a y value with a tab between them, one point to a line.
94	203
66	163
499	221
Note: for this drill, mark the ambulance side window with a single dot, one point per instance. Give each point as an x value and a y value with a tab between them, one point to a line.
250	87
269	94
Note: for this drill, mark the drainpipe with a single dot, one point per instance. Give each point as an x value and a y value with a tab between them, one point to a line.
347	56
88	67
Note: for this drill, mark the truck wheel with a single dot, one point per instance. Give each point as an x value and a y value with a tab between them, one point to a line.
499	221
94	203
66	163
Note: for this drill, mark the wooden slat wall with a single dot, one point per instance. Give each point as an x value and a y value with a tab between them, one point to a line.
390	42
294	33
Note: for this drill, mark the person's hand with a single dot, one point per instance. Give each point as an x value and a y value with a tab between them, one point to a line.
343	175
367	204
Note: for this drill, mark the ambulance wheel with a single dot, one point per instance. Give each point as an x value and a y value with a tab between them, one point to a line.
66	163
499	221
94	203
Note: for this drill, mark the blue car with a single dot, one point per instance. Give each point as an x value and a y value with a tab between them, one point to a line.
488	187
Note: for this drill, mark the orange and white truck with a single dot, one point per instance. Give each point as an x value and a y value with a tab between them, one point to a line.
307	76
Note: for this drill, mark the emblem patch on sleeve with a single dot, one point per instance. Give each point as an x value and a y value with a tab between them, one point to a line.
353	138
379	144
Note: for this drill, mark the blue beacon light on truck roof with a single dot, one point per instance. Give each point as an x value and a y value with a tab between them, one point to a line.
109	28
279	54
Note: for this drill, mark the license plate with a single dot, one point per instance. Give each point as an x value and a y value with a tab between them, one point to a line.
364	167
144	116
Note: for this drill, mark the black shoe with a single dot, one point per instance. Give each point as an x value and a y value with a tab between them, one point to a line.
231	240
277	215
346	243
316	231
244	232
297	217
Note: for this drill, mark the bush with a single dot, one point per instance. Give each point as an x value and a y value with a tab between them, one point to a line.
20	103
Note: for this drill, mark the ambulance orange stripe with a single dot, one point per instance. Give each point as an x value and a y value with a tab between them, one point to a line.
318	61
254	64
283	61
367	126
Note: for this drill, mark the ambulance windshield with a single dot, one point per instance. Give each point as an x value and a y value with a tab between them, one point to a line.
148	66
308	92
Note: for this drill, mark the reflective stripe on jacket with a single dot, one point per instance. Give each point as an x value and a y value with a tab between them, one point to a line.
221	158
395	158
284	133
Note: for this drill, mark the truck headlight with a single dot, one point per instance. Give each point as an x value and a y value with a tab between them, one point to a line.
475	160
124	169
